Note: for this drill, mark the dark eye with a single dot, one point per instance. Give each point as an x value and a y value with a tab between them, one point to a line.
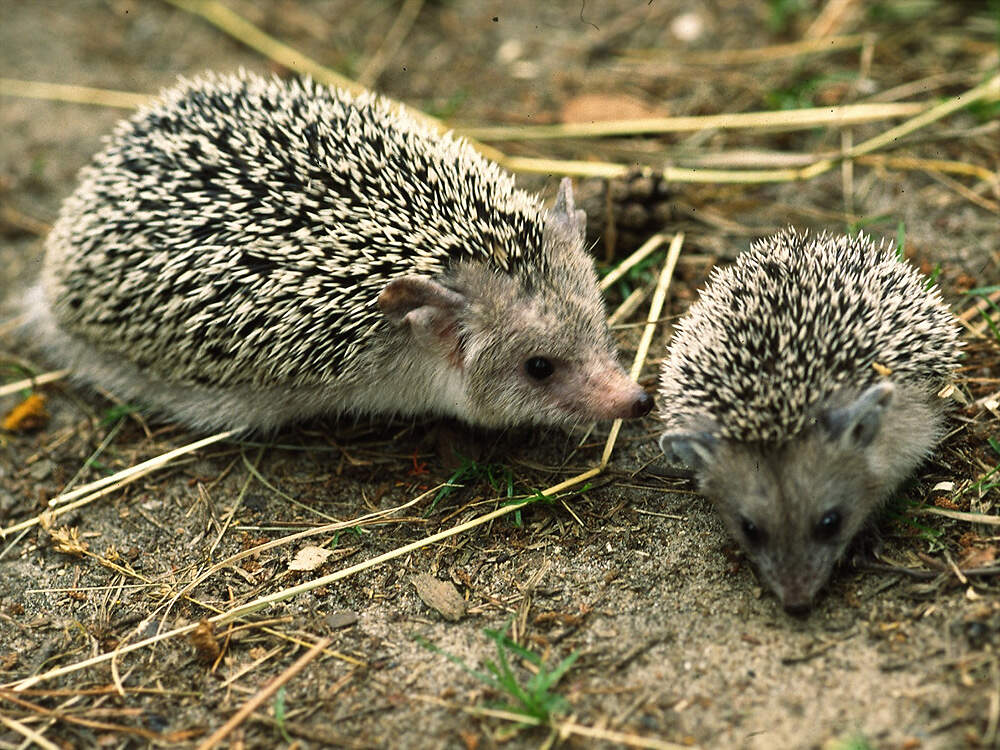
828	526
751	532
539	368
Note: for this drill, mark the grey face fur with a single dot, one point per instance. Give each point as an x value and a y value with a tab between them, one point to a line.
795	508
774	389
529	349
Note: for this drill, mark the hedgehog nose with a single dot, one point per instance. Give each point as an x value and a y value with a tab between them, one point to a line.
642	405
797	609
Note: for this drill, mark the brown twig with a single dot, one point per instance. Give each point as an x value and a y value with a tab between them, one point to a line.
263	695
20	220
92	724
956	186
28	733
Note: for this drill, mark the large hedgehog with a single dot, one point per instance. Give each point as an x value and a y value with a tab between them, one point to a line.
802	387
247	251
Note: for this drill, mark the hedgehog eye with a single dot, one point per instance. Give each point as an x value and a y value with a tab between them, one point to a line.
751	532
539	368
828	526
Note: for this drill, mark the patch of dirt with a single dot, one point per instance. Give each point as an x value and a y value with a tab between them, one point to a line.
676	639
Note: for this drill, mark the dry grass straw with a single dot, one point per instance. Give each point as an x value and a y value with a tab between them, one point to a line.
645	250
391	43
784	120
959	515
67	501
563	729
239	28
789	119
219	617
831	18
244	31
104	726
29	734
989	89
48	377
931	166
59	92
980	307
255	605
751	56
628	306
655	310
264	694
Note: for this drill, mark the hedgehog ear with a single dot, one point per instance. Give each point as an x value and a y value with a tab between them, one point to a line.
857	424
696	449
430	309
565	212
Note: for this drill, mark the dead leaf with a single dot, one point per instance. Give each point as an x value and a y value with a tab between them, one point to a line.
309	557
28	415
470	739
602	107
205	643
881	369
977	557
440	595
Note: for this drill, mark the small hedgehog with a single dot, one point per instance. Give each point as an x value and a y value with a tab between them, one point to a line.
802	388
248	251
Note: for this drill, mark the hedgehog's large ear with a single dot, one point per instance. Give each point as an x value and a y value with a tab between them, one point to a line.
696	449
565	212
429	309
857	424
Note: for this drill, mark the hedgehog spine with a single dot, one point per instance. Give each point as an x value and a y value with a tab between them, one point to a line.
775	389
245	251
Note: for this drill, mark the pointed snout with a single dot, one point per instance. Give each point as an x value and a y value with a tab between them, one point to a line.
797	608
612	394
796	596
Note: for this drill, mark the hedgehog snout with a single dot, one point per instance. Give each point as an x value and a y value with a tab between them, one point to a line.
798	608
611	394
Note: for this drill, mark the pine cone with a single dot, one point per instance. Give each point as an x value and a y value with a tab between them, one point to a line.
622	213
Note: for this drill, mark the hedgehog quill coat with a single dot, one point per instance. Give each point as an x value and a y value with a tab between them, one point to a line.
802	387
247	251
